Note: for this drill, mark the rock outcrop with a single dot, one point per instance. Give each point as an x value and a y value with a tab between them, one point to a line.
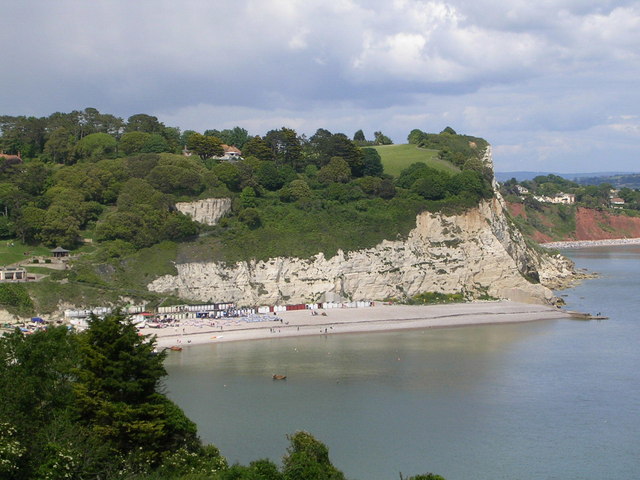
207	211
480	253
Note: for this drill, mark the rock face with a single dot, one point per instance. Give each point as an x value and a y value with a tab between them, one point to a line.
207	211
478	253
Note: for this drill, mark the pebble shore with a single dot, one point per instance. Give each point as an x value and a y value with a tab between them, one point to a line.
359	320
592	243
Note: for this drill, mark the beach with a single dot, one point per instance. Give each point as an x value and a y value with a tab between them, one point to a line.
381	317
592	243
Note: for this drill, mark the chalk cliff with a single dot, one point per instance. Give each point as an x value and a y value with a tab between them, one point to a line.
479	252
207	211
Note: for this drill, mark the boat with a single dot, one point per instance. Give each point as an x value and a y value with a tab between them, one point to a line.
175	348
279	377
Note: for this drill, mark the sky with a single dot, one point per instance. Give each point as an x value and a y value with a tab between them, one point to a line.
553	85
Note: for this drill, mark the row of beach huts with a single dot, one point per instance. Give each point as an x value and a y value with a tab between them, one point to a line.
141	317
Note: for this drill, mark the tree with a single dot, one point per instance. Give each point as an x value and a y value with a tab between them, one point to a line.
269	176
133	142
236	136
415	136
297	190
337	170
155	144
432	187
359	136
248	197
381	139
308	459
144	123
229	174
286	147
372	163
96	146
60	227
205	147
250	216
117	386
257	147
29	223
59	146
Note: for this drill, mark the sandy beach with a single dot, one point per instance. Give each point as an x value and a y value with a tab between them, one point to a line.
355	320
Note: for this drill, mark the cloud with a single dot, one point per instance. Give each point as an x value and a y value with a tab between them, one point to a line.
509	71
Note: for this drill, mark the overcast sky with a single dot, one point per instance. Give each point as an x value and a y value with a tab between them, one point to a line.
553	85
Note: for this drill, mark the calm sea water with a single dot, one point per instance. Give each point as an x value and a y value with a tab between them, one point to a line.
545	400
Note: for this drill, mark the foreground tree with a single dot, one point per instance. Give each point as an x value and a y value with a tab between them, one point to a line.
117	391
307	458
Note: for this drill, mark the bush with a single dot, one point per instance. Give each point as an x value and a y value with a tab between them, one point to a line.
15	295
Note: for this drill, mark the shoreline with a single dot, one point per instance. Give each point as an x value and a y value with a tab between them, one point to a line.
591	243
379	318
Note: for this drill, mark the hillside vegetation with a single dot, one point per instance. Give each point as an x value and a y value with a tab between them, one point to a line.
599	212
69	178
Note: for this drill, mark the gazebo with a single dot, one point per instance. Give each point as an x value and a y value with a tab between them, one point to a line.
59	252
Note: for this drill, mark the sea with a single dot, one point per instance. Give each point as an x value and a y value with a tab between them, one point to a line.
554	399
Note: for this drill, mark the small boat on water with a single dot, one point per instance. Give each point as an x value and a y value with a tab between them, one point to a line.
175	348
279	377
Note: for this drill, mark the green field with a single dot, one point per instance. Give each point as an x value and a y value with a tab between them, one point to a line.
14	251
396	158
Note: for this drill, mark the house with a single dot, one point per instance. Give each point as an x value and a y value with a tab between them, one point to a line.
521	190
616	202
564	198
12	274
231	153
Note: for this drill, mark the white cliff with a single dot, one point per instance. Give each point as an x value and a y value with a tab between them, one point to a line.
478	252
207	211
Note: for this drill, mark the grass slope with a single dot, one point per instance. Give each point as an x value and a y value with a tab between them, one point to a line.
396	158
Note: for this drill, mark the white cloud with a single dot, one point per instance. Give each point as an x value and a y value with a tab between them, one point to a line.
524	75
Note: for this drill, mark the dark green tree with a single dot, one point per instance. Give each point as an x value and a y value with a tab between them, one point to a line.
59	146
143	123
205	146
286	147
372	163
257	147
133	142
116	392
96	146
337	170
308	459
382	139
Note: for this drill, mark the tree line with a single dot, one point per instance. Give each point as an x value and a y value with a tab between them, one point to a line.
88	174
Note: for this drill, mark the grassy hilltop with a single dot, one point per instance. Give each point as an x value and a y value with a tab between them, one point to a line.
396	158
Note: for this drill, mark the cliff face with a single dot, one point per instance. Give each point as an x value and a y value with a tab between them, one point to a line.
207	211
587	224
478	252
